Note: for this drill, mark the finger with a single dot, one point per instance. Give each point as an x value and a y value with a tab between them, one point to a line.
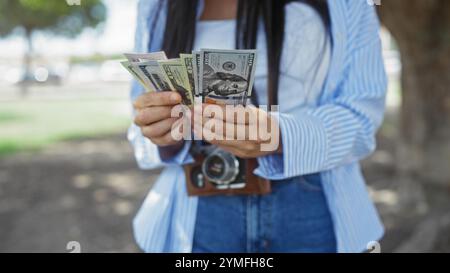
159	128
241	145
157	99
164	140
226	130
236	151
149	115
206	136
229	113
217	138
239	148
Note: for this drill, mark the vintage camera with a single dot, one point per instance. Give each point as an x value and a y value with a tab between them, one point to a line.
216	171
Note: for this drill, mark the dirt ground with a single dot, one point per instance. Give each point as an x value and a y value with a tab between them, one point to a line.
85	191
89	190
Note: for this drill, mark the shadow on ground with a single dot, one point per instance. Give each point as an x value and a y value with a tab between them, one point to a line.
89	190
86	191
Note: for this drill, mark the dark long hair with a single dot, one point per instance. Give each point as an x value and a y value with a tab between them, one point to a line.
179	33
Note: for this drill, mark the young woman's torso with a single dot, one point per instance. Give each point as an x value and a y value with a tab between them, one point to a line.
295	217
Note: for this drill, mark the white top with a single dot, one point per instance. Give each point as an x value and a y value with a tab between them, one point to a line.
301	76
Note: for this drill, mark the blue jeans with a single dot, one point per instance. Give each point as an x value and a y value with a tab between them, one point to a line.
293	218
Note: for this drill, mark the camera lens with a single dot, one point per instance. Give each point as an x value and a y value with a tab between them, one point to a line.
221	167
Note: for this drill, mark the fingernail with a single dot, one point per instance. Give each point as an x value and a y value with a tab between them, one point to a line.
174	97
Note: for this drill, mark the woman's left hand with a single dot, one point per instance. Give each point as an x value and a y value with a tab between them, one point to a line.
247	132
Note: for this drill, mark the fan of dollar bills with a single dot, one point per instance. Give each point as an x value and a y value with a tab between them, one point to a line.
209	75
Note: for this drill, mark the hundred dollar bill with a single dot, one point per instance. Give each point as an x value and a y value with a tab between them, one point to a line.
186	61
175	72
137	75
145	76
143	57
196	72
227	76
154	74
138	58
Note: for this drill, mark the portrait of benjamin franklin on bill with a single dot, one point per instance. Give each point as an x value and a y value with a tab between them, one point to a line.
222	84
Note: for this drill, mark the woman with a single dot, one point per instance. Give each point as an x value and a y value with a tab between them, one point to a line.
321	62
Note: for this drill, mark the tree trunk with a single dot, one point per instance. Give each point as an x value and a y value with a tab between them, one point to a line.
422	31
425	112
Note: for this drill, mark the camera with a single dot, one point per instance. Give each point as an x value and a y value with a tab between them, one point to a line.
223	169
216	171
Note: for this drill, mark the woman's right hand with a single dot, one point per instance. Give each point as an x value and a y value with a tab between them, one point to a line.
153	116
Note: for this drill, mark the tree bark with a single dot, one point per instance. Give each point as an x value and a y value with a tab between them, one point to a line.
422	31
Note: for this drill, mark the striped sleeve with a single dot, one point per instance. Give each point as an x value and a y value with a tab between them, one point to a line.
342	129
147	154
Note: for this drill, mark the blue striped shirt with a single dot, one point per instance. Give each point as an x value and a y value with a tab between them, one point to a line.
329	138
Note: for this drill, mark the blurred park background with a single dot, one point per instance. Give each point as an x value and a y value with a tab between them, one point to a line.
67	172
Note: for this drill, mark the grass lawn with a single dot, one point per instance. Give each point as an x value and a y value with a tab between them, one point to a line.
33	124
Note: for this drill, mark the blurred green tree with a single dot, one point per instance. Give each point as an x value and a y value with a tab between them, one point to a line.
421	29
60	17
